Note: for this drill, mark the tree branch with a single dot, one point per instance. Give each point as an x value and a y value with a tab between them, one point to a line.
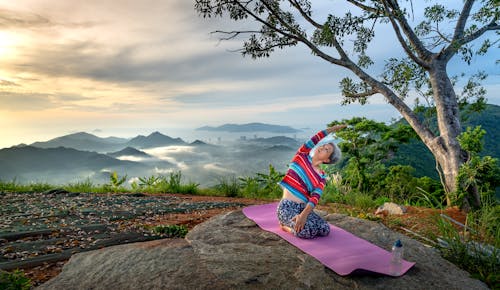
366	8
304	14
233	33
462	20
458	39
298	37
362	95
413	39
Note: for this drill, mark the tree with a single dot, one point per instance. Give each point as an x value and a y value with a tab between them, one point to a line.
366	145
427	46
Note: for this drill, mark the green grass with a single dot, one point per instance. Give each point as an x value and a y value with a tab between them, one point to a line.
170	231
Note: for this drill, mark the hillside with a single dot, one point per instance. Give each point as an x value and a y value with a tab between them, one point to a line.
155	139
418	156
83	141
28	163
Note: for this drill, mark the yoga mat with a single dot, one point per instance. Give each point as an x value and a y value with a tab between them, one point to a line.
340	251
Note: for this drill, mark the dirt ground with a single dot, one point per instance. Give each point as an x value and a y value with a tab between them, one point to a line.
415	223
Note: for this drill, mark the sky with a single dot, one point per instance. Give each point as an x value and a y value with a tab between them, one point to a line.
123	68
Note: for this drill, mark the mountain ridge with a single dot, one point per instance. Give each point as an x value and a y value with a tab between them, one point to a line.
250	127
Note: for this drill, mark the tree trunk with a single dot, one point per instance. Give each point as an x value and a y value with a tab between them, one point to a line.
446	148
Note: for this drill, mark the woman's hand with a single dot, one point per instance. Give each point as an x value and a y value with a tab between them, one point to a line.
335	128
300	222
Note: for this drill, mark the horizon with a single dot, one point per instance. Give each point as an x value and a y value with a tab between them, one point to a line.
189	136
123	69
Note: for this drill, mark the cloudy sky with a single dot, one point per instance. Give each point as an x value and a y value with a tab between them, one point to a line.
126	67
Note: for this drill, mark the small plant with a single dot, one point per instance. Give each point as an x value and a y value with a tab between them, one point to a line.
269	182
171	231
148	181
228	186
115	182
250	187
14	280
174	181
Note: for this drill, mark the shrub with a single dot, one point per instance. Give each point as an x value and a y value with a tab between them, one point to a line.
14	280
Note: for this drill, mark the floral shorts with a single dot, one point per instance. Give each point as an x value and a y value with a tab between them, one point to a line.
315	225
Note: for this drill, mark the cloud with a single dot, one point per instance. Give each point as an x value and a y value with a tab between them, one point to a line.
18	19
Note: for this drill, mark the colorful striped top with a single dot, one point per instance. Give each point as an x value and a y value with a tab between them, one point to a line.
301	179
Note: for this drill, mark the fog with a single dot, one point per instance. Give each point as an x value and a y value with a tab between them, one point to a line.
201	163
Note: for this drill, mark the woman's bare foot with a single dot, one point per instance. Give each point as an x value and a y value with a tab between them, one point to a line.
286	229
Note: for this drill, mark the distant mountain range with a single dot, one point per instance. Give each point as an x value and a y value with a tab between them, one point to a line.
75	157
78	156
88	142
59	164
251	127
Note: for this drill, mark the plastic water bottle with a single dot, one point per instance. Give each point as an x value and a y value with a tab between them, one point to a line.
397	258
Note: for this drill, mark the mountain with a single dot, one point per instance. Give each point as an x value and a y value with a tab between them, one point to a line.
250	127
155	139
83	141
277	140
129	151
59	164
88	142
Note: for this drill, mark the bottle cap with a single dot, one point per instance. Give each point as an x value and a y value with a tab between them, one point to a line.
398	244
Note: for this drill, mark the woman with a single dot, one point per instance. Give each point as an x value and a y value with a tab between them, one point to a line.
303	185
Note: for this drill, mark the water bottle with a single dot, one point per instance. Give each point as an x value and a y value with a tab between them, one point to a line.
396	258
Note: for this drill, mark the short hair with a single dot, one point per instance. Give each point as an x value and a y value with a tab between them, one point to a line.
336	154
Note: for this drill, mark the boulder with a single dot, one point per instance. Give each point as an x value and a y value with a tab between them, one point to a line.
230	251
390	208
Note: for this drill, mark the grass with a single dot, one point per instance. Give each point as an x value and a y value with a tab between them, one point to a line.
170	231
462	249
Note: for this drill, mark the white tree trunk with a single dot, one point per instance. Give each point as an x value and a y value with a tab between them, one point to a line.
445	147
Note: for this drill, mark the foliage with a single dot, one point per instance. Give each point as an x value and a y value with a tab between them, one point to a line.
469	249
228	186
15	186
165	184
262	185
115	182
171	231
479	175
15	280
250	186
472	140
366	144
269	182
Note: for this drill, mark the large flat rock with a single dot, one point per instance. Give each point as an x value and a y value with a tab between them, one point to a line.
231	252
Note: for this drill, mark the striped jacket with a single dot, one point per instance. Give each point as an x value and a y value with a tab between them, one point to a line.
301	179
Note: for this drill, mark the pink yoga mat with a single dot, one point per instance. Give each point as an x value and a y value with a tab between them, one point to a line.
340	251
